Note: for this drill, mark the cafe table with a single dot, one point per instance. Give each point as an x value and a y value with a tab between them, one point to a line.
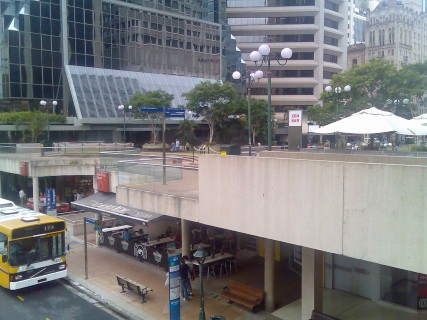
209	262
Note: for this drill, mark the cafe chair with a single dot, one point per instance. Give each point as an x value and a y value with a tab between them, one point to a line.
231	263
223	265
211	271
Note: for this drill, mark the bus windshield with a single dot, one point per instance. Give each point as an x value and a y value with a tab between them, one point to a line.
31	250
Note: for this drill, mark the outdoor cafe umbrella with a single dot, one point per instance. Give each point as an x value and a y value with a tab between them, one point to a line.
371	121
420	120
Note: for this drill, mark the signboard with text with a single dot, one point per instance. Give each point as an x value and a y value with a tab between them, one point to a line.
51	201
295	118
169	112
174	288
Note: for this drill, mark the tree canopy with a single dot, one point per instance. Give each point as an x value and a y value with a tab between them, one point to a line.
378	84
155	98
212	101
33	121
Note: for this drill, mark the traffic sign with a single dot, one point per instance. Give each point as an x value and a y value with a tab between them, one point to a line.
90	220
175	113
151	109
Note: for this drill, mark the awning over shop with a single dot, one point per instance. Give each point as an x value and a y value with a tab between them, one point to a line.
105	203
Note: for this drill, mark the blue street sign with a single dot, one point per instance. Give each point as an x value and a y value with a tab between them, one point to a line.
90	220
174	287
151	109
173	113
50	199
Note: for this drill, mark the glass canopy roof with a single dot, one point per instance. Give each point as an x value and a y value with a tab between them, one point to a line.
97	92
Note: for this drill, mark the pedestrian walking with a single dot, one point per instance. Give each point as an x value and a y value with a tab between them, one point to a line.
22	197
191	273
184	273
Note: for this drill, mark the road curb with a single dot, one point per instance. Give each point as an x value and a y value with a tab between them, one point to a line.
96	296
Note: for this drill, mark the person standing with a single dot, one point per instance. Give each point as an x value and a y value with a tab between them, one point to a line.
191	272
177	145
184	272
22	197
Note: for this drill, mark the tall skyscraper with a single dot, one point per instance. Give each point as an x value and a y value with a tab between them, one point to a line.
92	55
316	31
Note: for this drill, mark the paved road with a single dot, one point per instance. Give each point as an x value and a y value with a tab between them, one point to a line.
50	301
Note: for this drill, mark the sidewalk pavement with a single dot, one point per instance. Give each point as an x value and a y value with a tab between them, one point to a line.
104	264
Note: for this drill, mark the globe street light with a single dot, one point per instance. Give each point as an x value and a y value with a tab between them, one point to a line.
200	255
251	77
263	56
54	104
122	107
338	91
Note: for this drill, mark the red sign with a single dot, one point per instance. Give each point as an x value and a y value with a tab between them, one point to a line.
103	181
24	168
422	291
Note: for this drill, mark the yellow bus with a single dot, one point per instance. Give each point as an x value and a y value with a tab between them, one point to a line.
32	247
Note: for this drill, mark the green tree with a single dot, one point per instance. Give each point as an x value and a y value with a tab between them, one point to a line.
155	98
212	101
33	122
372	85
259	119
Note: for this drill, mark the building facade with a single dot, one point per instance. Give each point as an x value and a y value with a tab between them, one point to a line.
315	30
397	33
91	55
356	23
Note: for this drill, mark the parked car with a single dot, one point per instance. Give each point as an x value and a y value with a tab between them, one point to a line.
60	206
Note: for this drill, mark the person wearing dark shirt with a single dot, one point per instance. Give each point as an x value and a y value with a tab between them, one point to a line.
184	272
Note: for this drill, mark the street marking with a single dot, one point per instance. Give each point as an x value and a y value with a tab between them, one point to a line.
20	298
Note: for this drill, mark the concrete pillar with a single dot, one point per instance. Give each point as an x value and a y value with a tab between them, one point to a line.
97	232
36	191
185	237
269	274
311	282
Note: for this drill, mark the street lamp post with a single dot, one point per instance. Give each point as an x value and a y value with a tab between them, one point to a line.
122	107
200	256
263	56
54	104
251	78
396	103
338	91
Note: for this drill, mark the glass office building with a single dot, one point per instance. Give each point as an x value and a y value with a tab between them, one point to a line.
39	40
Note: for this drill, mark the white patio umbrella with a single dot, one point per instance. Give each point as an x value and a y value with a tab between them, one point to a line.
371	121
420	120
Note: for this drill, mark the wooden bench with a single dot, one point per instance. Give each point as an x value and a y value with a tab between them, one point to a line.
316	315
243	294
133	286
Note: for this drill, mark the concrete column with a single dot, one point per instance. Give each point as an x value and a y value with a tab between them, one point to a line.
185	237
269	274
36	191
311	282
97	232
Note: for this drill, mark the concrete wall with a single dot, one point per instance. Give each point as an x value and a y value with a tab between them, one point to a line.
368	211
50	166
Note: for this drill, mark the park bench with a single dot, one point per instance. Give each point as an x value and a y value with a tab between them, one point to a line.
316	315
133	286
243	294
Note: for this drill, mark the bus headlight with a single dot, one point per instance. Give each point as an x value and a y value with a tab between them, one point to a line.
62	266
18	277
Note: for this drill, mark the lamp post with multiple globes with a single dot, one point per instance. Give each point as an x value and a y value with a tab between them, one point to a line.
337	91
122	107
54	104
263	56
251	78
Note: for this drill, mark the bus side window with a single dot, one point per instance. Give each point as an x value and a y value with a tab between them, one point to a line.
3	247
